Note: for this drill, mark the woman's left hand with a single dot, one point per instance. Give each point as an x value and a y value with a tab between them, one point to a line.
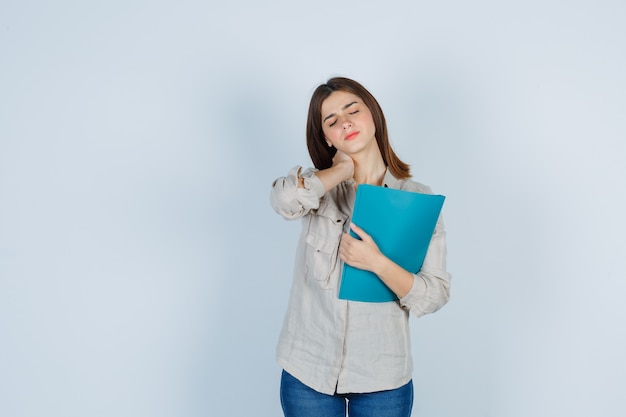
363	253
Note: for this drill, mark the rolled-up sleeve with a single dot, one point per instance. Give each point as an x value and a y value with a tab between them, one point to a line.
292	202
431	285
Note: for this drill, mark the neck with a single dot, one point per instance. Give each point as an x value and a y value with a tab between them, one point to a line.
369	169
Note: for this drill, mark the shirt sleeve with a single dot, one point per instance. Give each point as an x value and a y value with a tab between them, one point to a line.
431	285
292	202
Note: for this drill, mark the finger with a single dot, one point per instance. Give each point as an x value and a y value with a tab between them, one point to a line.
343	252
359	232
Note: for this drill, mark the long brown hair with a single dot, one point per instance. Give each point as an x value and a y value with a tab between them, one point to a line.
321	154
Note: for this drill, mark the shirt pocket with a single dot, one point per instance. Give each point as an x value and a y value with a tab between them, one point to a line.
322	254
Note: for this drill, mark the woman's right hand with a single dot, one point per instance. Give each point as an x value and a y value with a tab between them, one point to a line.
343	161
341	170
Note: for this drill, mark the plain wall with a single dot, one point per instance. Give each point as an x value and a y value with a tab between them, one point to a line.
143	272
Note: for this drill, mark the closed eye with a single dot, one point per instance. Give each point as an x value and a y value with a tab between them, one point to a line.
335	121
347	106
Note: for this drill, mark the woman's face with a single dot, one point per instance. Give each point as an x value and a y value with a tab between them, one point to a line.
347	123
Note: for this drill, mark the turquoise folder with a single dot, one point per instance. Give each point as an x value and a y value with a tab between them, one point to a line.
402	224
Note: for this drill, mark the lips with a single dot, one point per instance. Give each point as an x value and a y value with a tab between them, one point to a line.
352	135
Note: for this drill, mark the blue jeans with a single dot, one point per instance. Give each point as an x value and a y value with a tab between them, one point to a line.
298	400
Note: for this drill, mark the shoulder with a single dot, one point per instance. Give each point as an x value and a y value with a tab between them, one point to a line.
414	186
407	184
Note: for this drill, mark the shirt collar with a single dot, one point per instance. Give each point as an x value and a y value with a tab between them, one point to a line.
390	181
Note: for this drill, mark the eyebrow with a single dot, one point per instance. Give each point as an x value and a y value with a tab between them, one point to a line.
343	108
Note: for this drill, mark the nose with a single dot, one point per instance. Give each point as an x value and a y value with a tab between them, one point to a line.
346	124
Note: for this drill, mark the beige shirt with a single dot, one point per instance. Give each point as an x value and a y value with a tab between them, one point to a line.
334	345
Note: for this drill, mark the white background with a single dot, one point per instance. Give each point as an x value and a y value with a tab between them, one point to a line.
143	272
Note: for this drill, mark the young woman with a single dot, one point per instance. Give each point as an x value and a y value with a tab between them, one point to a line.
341	356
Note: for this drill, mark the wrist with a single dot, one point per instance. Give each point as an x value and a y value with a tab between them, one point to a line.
346	168
380	264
